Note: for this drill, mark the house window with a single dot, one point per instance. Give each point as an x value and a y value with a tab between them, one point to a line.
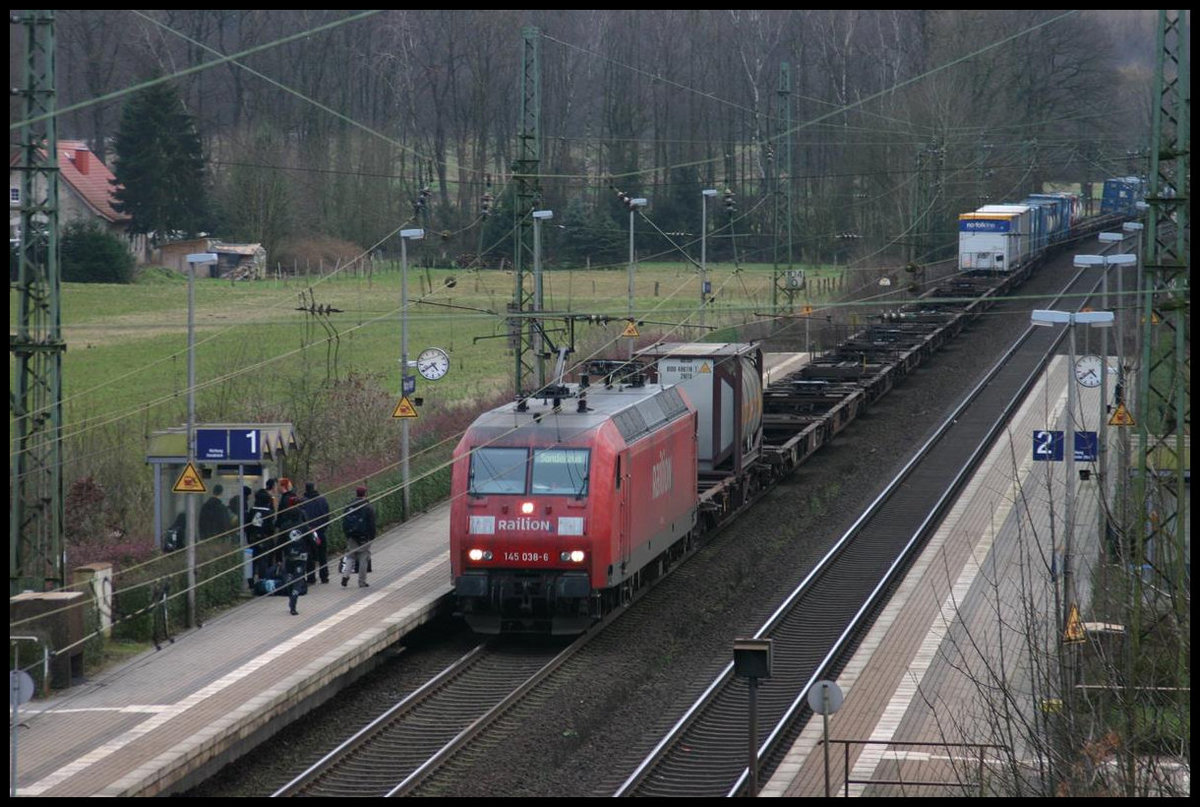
14	196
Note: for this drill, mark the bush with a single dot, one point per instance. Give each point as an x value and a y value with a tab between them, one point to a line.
90	254
309	255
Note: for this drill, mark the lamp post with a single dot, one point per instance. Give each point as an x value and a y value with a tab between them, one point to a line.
1049	318
538	217
704	197
1119	260
194	260
633	204
405	235
1136	227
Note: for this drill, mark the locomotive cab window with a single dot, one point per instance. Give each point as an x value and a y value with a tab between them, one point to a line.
561	470
498	470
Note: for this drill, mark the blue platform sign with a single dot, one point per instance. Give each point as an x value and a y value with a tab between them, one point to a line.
409	385
245	444
212	444
1047	445
229	444
1087	447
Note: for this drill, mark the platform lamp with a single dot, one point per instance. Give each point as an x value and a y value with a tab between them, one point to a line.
1050	318
633	205
195	259
405	236
1137	227
538	217
705	195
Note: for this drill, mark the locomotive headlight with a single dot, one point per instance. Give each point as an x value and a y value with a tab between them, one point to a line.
527	508
572	556
479	554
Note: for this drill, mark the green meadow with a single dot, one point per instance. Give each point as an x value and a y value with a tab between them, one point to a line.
126	358
324	353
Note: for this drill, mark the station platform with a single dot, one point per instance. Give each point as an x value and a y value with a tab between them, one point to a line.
960	619
170	718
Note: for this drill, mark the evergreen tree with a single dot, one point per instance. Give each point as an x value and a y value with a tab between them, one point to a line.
159	167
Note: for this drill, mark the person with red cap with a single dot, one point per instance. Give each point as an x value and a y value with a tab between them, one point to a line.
358	523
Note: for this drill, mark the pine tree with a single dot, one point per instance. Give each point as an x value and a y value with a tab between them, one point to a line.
159	166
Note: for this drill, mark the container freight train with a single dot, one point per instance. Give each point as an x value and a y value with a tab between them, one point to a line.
563	506
1002	239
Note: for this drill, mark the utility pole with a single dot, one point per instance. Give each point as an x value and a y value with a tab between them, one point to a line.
36	553
528	194
783	185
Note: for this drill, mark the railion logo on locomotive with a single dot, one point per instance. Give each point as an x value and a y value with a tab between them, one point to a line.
523	524
661	478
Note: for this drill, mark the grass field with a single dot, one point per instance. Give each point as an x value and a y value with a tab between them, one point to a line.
127	345
259	358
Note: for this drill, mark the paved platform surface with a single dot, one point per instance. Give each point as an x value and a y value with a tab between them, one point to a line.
914	677
171	717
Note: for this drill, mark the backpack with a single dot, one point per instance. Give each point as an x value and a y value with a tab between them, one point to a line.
355	522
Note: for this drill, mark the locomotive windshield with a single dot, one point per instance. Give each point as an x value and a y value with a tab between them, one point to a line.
498	470
560	470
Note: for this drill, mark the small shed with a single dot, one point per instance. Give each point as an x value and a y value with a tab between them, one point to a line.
234	261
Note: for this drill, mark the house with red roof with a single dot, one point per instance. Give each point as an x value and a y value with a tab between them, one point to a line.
85	193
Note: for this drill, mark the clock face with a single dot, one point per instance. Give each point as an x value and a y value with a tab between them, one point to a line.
1088	371
433	363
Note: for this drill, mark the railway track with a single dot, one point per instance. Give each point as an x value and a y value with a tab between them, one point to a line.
393	753
405	751
817	627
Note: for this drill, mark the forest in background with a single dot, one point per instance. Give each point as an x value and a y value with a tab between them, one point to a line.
899	119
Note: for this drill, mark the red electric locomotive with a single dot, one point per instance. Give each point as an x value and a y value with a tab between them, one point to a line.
564	506
560	505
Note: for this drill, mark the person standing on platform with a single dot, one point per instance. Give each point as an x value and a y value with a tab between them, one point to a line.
317	510
214	516
295	562
359	525
290	516
260	531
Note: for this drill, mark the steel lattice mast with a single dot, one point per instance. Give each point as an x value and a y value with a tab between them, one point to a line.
529	373
1164	378
36	557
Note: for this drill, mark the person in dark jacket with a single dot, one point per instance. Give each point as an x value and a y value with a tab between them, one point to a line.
260	532
358	522
214	516
295	562
317	510
288	517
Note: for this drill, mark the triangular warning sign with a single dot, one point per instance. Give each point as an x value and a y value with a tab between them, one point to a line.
189	481
630	330
704	368
1121	417
404	409
1074	631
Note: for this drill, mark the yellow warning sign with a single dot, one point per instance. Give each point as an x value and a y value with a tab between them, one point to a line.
630	330
1074	631
806	310
404	409
189	481
704	368
1121	417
